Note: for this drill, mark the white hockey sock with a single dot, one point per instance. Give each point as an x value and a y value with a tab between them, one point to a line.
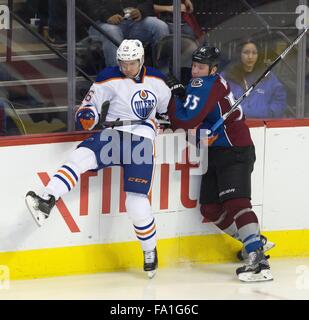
63	181
146	233
139	211
66	178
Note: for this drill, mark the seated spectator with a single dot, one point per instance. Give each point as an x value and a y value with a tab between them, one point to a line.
189	24
130	19
268	99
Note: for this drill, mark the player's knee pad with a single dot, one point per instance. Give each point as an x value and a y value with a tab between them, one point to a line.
234	206
138	206
212	211
83	159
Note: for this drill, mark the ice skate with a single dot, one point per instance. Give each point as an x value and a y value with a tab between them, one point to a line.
256	268
267	245
39	208
151	262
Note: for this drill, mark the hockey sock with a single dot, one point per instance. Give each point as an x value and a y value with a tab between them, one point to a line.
246	222
146	233
215	213
66	178
139	210
63	181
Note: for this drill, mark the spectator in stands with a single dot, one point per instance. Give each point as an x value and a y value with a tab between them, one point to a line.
268	99
189	24
129	19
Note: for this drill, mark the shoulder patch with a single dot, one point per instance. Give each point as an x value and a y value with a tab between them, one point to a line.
196	83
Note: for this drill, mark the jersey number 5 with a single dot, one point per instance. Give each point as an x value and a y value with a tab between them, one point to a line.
191	102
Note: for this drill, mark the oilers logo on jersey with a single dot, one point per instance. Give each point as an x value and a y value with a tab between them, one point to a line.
142	103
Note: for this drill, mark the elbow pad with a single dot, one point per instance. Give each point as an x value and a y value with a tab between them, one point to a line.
86	117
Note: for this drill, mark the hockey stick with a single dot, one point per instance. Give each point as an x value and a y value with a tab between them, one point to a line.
118	122
11	111
264	75
269	31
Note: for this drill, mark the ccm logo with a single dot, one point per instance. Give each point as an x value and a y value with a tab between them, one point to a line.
138	180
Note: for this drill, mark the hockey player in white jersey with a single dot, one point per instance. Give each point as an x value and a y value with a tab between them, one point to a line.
135	92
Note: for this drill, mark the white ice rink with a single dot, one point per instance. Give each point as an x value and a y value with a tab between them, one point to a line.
194	281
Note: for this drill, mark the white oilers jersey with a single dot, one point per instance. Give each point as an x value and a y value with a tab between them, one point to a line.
131	99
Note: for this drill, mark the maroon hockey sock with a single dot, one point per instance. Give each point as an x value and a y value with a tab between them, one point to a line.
216	213
246	220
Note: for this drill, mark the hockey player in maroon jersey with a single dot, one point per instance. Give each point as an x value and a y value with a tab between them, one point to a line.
225	192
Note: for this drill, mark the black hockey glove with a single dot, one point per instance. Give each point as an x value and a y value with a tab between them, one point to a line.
176	86
163	120
162	116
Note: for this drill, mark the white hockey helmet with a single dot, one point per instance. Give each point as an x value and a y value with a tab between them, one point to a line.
130	50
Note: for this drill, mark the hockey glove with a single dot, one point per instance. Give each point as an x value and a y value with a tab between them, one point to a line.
162	116
163	120
208	137
176	86
86	118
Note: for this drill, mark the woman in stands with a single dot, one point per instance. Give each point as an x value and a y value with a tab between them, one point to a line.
268	99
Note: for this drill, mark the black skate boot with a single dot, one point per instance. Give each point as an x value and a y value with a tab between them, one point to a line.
256	269
267	245
39	208
151	262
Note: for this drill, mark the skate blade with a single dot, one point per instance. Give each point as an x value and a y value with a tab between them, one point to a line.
264	275
151	274
269	245
37	215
